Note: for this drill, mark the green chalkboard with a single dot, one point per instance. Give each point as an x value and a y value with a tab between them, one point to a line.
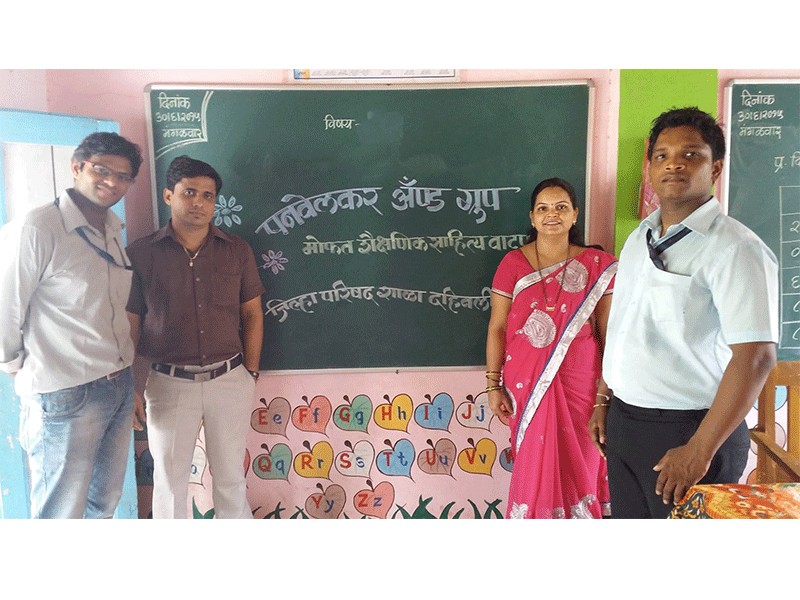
377	215
763	183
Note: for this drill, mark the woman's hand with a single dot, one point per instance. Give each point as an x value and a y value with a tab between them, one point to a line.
500	404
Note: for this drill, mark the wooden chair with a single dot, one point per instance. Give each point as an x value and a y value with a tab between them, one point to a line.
773	463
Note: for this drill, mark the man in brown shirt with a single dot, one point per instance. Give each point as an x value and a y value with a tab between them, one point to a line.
193	285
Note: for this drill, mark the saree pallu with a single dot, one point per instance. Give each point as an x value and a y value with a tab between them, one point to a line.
551	371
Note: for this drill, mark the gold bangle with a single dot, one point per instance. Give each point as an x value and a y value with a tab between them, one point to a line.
601	404
603	396
493	372
491	389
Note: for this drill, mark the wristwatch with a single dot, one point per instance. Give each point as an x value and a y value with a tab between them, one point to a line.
255	374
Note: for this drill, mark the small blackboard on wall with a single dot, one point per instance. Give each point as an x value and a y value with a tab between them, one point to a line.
763	183
377	215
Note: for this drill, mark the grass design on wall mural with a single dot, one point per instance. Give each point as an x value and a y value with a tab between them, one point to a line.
420	512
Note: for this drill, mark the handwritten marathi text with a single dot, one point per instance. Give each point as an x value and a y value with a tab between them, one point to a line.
180	122
302	209
766	130
331	123
396	241
446	299
781	160
749	99
473	201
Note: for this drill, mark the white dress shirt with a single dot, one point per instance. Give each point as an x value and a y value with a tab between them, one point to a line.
669	332
62	316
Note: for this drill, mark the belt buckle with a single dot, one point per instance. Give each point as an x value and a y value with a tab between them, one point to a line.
203	376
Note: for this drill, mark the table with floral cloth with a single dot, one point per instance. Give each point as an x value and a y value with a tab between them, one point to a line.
740	501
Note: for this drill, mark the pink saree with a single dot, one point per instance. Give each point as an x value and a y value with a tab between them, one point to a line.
550	371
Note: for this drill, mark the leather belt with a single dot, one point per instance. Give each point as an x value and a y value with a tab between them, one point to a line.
174	371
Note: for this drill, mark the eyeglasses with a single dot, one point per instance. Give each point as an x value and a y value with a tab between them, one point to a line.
106	172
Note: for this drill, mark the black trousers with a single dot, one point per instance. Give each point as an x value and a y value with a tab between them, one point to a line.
637	438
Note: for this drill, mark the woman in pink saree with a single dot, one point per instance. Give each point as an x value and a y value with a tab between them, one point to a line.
550	303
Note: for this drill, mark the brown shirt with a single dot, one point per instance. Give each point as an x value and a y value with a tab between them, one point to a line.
190	315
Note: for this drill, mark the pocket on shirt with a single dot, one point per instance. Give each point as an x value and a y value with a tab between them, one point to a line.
668	295
225	289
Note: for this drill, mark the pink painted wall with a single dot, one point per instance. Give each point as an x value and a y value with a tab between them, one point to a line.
23	89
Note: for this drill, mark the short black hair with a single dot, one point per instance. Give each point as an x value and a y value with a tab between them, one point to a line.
691	116
185	166
108	143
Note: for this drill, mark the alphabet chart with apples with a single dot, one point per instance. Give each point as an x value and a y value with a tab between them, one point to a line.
370	454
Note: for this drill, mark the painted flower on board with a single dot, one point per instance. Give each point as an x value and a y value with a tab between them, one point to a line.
224	212
274	261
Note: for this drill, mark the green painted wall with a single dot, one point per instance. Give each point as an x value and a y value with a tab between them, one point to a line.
643	95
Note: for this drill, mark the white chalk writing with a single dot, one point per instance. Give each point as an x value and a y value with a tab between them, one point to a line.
182	133
180	126
408	196
476	200
165	101
759	115
769	130
340	292
173	117
331	123
447	300
758	118
302	209
780	161
367	243
749	99
789	262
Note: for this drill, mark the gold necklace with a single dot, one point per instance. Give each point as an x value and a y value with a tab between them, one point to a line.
191	258
541	279
189	254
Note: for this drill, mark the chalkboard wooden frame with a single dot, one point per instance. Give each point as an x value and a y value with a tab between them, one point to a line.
437	354
760	183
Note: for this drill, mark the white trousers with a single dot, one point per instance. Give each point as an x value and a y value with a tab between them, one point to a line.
176	408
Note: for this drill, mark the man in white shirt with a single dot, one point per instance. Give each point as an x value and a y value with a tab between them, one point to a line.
691	334
65	337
